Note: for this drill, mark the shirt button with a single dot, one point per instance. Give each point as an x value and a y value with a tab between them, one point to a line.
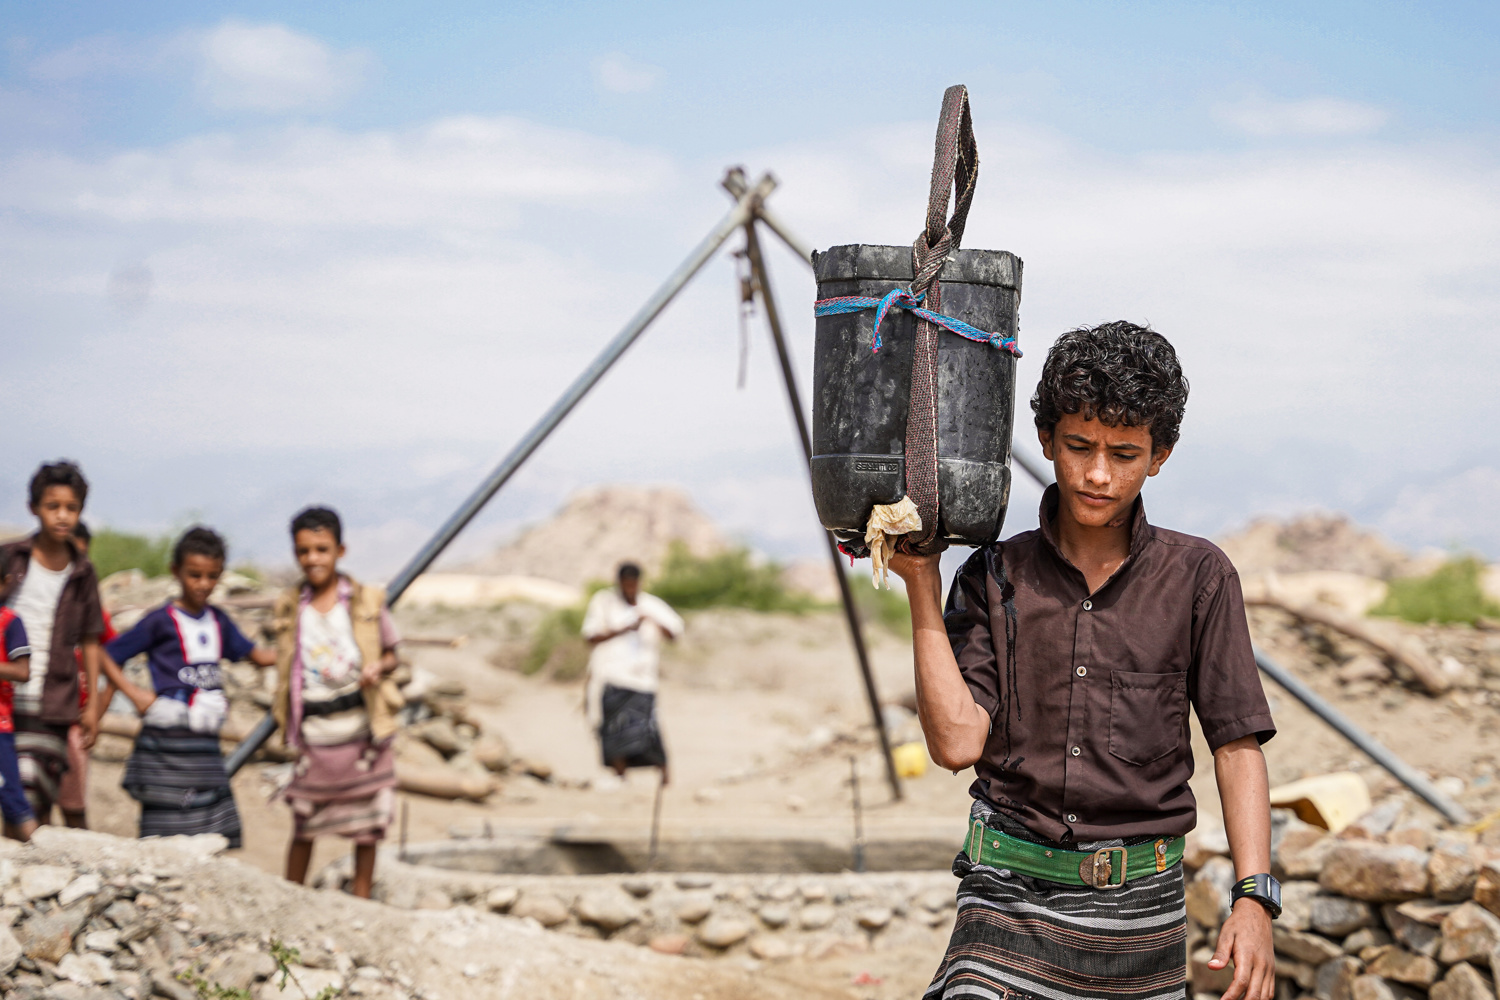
1072	818
1088	605
1082	671
1077	751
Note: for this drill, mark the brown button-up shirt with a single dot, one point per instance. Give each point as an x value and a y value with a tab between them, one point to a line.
79	617
1089	737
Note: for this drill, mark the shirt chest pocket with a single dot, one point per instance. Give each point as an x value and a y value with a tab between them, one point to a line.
1146	714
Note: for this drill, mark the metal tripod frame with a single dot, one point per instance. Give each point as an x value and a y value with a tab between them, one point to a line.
748	210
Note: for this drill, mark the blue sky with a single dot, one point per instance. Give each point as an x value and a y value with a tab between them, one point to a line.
263	254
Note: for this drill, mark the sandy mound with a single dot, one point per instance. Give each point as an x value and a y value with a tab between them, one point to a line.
1315	542
601	528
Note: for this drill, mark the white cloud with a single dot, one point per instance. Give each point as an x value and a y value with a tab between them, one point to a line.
271	68
620	74
436	288
1313	116
98	55
1452	512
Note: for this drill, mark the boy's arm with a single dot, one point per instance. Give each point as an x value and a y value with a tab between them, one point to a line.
17	671
372	674
116	680
1245	938
955	725
88	719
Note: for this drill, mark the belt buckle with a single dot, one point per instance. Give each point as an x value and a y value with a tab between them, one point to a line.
1096	870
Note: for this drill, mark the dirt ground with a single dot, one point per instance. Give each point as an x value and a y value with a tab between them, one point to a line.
762	714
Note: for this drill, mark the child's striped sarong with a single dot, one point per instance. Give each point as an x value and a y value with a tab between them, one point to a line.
42	758
345	789
178	777
1022	937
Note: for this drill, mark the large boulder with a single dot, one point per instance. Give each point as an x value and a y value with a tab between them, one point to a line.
1453	869
1470	933
1302	852
1379	873
1340	916
608	909
1463	982
1208	894
1487	887
1402	966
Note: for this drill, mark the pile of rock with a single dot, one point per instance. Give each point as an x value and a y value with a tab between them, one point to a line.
1374	913
125	928
87	916
770	917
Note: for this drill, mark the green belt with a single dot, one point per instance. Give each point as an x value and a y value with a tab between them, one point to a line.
1106	868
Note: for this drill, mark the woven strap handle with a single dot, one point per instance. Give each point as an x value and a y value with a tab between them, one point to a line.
955	167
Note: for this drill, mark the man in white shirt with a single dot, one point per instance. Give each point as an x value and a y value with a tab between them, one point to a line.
626	626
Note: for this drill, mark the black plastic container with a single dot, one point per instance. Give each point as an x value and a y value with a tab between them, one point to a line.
860	397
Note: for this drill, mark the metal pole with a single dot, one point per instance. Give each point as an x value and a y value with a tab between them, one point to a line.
794	398
1399	769
1043	478
702	253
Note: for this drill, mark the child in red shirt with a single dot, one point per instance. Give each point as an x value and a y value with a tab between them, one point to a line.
15	665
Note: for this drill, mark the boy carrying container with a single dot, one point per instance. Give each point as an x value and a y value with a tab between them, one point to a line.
1062	671
50	585
176	771
15	668
335	701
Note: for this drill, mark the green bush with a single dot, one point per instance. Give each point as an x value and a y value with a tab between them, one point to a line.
112	551
727	580
887	608
1452	593
558	644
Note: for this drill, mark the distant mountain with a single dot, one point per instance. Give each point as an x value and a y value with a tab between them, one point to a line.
601	527
1317	542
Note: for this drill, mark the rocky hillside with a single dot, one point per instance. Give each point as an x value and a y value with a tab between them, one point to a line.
600	528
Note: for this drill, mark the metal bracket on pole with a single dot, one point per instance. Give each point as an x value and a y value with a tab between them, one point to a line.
794	400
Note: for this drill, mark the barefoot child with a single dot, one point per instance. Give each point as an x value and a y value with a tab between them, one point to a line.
50	584
15	668
335	700
1063	671
176	772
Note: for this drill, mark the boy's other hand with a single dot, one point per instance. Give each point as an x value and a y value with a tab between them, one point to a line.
371	674
88	729
1245	939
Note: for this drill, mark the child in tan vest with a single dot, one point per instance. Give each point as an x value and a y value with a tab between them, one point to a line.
335	701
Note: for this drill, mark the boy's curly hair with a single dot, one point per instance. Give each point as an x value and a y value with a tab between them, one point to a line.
1116	373
60	473
199	541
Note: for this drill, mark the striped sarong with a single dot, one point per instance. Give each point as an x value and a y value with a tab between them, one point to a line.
1020	937
178	777
42	758
345	789
629	731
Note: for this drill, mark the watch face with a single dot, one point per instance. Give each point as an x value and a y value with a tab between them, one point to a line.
1275	890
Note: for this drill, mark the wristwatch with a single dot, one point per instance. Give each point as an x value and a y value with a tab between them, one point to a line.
1262	888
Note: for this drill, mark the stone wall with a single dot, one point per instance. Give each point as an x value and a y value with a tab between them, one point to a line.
1372	914
769	917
